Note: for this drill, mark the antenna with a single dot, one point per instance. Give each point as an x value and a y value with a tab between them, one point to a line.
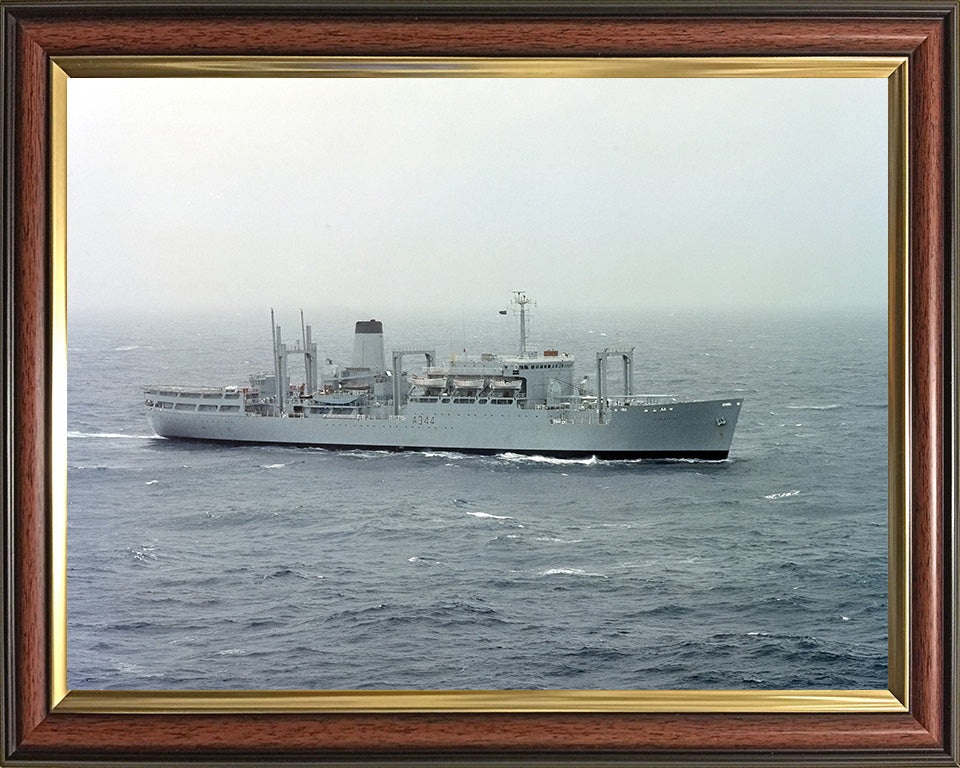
520	298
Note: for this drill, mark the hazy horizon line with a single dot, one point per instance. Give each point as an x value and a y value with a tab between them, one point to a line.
385	309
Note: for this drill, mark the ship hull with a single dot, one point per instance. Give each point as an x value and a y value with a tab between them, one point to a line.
687	430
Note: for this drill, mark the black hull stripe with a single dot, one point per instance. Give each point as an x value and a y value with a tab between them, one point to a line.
607	455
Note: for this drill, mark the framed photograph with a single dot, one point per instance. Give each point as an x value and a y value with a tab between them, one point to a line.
742	203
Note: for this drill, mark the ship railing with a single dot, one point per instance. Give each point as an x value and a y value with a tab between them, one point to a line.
590	401
197	392
641	399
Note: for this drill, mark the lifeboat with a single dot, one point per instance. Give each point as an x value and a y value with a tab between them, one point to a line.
468	383
429	382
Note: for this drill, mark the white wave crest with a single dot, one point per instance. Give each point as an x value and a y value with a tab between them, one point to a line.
570	572
443	454
782	495
272	466
534	459
831	407
109	435
144	552
555	540
487	514
127	348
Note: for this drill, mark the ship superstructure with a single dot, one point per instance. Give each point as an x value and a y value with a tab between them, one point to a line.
530	403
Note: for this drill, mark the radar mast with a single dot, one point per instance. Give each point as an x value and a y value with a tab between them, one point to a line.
520	299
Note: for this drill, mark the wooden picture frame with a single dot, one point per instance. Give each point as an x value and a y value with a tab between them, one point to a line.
38	730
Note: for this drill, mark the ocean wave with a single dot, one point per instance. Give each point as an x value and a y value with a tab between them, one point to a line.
570	572
282	573
670	610
143	553
272	466
443	454
520	458
360	454
128	348
831	407
782	495
555	540
109	435
487	514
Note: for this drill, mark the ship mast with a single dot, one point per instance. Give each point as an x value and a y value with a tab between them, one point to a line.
277	356
520	298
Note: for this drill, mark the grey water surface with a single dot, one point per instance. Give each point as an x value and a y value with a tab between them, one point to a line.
211	566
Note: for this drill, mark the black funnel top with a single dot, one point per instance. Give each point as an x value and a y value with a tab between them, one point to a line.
369	326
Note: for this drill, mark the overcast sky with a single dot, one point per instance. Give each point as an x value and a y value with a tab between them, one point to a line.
376	193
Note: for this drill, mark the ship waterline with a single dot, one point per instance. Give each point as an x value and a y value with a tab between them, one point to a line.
528	403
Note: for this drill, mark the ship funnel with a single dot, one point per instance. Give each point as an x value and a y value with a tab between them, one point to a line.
368	346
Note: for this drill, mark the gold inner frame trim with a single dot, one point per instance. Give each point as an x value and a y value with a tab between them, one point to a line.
898	387
894	69
431	66
384	702
58	383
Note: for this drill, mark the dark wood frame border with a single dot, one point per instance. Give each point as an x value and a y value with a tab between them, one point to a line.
925	32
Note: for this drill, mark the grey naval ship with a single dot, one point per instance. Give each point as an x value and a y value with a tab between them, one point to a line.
527	403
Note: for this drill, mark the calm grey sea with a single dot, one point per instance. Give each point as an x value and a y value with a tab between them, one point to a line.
215	566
